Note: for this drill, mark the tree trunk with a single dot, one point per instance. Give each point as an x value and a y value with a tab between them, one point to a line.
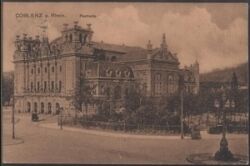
75	116
86	110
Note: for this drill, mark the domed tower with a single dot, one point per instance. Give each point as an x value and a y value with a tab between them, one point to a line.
23	46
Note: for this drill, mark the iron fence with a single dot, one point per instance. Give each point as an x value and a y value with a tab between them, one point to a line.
119	126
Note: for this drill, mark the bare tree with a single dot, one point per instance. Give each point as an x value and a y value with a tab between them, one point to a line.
83	94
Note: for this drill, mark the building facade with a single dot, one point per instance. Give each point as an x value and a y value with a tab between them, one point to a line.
47	73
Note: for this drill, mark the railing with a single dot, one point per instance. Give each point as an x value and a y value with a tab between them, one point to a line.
118	126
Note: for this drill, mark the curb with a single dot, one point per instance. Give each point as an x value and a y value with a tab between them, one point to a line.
109	134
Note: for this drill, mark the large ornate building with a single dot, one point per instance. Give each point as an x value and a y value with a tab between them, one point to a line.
47	73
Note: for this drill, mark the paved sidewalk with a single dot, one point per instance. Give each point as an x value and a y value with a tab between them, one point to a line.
44	142
204	134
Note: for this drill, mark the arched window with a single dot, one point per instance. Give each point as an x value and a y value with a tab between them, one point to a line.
126	92
35	107
80	37
113	58
60	86
38	86
45	69
170	84
52	85
70	37
117	92
158	77
42	107
158	87
28	107
108	92
52	69
49	108
38	70
31	86
102	91
45	85
57	108
170	79
85	37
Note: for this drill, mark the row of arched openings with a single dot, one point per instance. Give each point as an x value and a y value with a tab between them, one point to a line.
41	109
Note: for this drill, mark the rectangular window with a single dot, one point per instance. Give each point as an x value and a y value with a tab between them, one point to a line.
158	84
60	86
52	85
158	88
45	85
38	85
31	86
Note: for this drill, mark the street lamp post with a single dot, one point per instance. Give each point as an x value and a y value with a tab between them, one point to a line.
181	90
182	131
13	118
223	154
61	116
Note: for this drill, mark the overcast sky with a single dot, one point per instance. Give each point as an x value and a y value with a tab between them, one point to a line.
214	34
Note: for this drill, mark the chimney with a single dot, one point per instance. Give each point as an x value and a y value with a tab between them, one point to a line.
75	24
65	26
24	36
17	37
89	26
149	46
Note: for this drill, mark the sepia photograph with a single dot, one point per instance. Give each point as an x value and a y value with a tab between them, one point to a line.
125	83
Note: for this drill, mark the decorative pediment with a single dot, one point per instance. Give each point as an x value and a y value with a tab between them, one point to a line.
164	55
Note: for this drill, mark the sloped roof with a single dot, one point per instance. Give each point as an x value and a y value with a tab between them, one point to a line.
58	41
127	52
108	47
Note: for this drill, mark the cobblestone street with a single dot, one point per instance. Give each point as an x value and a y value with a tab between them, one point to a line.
52	145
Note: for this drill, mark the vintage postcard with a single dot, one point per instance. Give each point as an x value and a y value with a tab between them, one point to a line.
125	83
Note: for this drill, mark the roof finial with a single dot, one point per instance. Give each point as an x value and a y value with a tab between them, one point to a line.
44	31
164	44
75	22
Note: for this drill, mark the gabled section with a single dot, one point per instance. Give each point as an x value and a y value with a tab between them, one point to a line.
163	53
